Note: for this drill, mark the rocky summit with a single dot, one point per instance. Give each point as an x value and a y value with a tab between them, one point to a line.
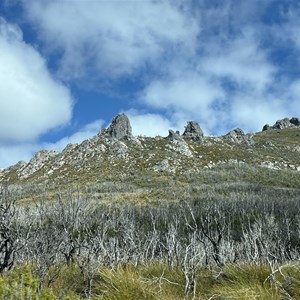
193	131
114	151
238	136
283	123
120	127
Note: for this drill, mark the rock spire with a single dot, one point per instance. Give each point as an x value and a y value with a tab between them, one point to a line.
193	131
120	127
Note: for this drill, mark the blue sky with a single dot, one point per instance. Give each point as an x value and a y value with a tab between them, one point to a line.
67	67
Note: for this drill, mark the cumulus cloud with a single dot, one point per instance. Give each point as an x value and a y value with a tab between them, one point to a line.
212	62
186	97
112	37
149	124
85	133
25	151
234	81
232	78
32	101
11	154
242	61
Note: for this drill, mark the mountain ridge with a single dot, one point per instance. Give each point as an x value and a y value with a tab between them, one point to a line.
115	150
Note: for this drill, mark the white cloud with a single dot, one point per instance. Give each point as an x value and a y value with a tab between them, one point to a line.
190	96
25	151
85	133
11	154
149	124
31	101
241	60
188	93
288	30
251	112
112	37
213	65
228	85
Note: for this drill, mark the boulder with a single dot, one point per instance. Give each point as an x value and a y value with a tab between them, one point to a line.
266	127
173	135
239	137
283	123
193	131
295	121
120	127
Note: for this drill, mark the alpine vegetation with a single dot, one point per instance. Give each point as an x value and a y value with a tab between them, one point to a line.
177	217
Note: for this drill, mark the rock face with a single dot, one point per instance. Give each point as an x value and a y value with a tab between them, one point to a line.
174	135
295	121
37	162
120	127
239	137
283	123
193	131
266	127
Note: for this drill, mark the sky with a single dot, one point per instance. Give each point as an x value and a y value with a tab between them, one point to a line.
67	67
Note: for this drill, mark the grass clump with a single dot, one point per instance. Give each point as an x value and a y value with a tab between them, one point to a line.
246	282
124	284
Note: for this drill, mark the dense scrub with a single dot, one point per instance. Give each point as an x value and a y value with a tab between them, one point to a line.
205	244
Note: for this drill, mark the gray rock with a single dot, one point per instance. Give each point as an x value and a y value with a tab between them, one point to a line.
40	159
193	131
120	127
174	135
239	137
295	121
266	127
283	123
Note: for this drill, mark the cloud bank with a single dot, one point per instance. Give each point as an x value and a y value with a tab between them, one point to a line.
207	61
32	101
113	37
10	154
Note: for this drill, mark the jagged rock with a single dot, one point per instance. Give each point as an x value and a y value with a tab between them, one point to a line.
120	127
266	127
69	148
37	162
239	137
19	165
193	131
173	135
295	121
283	123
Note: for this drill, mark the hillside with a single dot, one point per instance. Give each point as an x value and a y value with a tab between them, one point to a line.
178	217
142	163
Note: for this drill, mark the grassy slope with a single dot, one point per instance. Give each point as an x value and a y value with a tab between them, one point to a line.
135	182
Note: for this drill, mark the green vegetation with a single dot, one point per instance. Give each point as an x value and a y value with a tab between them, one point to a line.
215	225
155	281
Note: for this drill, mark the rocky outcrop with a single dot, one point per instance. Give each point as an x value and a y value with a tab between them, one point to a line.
120	127
40	159
239	137
179	146
193	131
174	135
266	127
114	150
283	123
295	121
